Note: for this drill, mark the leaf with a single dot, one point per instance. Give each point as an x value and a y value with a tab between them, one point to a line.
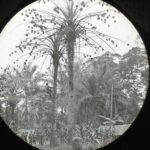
103	15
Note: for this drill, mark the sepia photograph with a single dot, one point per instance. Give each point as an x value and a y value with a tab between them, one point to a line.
73	74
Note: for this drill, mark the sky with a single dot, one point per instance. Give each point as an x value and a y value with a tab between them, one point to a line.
15	30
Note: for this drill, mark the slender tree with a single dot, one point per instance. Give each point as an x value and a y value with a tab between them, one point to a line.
51	47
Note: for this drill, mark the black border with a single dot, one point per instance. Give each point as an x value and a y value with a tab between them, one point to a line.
138	135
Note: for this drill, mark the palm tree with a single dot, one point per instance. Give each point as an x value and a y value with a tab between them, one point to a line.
73	27
57	51
11	92
72	24
51	47
28	78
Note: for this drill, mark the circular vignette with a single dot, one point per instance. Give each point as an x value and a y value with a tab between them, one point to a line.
105	52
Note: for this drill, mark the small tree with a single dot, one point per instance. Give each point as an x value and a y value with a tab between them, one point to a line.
11	92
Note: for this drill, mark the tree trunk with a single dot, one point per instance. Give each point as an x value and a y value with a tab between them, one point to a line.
12	112
26	110
111	110
7	113
111	103
55	65
71	102
1	112
70	52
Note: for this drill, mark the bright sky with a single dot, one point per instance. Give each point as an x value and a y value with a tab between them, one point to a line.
14	32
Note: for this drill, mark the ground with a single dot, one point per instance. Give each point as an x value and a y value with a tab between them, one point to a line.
64	147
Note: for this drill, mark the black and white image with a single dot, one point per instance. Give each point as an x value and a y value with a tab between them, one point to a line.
73	74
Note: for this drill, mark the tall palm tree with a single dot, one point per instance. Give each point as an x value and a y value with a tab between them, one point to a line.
51	48
73	26
57	51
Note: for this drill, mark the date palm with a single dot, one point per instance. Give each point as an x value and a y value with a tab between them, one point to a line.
73	26
28	79
10	91
50	48
72	23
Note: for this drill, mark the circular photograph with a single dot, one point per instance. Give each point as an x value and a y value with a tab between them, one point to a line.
73	74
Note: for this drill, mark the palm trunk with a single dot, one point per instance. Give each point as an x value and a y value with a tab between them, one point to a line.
12	113
70	65
1	112
55	64
111	109
111	103
26	110
71	102
7	113
26	105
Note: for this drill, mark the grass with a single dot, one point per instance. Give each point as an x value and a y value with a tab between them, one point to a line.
62	147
